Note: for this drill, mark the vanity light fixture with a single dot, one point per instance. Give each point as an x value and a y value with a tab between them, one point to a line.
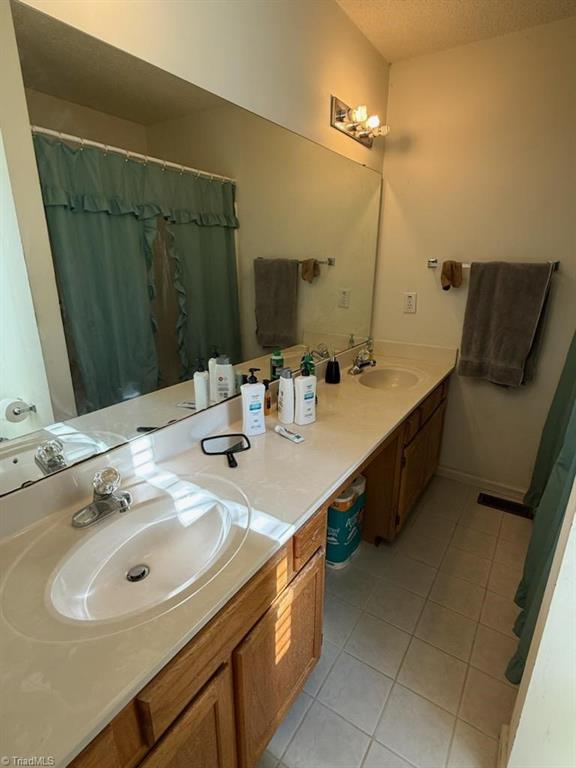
356	122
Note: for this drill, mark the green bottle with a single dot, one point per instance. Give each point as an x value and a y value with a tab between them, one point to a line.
276	363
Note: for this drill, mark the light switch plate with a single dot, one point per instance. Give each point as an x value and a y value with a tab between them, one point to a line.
410	300
344	298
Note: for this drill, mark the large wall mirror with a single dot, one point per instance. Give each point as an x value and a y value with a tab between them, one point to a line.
179	224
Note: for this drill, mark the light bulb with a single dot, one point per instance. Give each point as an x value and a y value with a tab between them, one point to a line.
359	114
373	122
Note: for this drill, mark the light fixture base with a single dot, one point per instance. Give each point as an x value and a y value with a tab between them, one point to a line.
339	119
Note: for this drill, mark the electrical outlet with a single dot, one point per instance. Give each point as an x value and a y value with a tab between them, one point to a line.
410	303
344	298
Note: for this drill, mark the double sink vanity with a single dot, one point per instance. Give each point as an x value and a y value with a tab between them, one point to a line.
178	629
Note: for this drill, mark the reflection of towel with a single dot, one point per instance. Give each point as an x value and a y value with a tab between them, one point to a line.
310	270
451	275
503	320
276	301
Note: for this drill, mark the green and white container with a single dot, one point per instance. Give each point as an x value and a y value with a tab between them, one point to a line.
343	535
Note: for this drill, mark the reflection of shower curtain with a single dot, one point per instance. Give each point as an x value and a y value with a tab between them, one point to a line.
145	265
549	492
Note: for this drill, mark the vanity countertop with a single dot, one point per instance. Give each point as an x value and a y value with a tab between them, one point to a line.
57	695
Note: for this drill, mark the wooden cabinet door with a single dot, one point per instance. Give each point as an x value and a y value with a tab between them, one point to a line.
412	475
275	658
435	427
204	735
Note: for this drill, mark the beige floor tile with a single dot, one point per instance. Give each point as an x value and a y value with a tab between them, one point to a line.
373	560
504	579
499	613
492	651
412	575
267	761
349	584
378	644
471	748
433	674
516	528
288	726
475	542
487	703
424	548
339	620
449	631
466	566
326	740
356	691
446	497
511	552
382	757
416	729
459	595
434	525
481	518
395	605
320	671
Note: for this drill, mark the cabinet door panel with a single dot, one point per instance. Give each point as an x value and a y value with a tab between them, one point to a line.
435	428
272	663
204	735
413	474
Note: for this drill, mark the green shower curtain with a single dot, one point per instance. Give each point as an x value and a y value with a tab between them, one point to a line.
549	492
102	211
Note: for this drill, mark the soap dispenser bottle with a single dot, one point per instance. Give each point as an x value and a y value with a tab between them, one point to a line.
253	421
305	399
201	387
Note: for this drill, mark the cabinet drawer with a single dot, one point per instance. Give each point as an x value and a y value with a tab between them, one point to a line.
429	405
309	538
411	426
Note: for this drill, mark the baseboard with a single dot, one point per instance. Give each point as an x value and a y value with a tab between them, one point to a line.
503	746
498	489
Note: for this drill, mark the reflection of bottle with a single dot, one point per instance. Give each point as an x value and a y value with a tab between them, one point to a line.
267	397
212	374
286	397
201	387
305	410
276	363
225	378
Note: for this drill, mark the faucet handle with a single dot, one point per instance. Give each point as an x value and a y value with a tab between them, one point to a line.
106	481
50	450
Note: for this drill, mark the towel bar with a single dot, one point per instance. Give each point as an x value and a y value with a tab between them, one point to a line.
433	264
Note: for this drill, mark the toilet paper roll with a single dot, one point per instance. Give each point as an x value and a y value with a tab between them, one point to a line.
7	409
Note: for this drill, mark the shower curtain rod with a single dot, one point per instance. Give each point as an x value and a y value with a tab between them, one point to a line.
128	154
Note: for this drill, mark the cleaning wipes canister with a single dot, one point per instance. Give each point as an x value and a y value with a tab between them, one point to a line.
343	535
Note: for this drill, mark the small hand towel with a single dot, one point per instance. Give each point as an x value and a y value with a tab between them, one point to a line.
310	270
503	317
451	275
276	301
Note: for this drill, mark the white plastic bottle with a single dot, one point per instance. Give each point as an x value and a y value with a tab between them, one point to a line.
212	375
225	379
286	397
253	421
201	388
305	397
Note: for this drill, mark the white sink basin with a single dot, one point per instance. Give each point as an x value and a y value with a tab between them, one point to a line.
390	378
176	538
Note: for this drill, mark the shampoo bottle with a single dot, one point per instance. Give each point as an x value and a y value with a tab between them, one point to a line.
212	374
201	387
305	397
286	397
225	378
253	421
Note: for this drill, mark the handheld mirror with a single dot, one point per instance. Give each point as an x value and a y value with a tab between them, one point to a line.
225	445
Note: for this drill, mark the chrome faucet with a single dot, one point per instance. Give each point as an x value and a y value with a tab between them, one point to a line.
362	359
322	353
107	499
49	456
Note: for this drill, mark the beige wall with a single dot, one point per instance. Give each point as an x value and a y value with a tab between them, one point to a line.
59	115
281	60
295	200
481	165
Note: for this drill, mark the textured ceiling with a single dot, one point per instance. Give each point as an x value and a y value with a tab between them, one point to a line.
400	29
64	62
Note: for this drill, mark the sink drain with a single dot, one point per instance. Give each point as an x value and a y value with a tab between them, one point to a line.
138	572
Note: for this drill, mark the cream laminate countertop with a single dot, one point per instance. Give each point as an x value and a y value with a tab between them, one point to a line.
57	695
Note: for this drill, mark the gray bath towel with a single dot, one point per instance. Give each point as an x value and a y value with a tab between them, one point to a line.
276	301
503	316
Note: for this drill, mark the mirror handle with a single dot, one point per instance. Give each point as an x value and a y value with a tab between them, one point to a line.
231	460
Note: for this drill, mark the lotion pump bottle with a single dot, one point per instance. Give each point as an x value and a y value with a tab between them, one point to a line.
212	374
286	397
253	421
201	387
225	378
305	396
